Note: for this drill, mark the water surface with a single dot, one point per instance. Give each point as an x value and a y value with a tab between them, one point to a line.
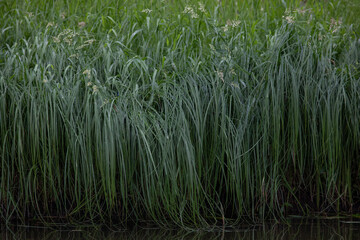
307	230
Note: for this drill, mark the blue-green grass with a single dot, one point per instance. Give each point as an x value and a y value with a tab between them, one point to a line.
175	113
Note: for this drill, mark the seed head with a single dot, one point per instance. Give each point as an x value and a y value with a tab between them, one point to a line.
87	72
63	15
81	24
225	28
202	7
146	10
90	41
30	14
74	55
220	75
50	24
289	19
56	39
191	11
95	89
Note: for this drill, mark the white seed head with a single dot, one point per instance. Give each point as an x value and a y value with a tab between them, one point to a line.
63	15
194	15
146	10
87	72
202	7
74	55
235	23
82	24
68	40
50	24
289	19
320	37
82	46
90	41
95	89
225	28
190	11
301	11
335	25
30	14
220	75
56	39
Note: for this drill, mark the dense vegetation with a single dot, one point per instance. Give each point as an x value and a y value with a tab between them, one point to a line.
178	113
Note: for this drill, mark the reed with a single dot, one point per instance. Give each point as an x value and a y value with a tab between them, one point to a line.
176	113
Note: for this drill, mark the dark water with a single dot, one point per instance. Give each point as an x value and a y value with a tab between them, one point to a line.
307	230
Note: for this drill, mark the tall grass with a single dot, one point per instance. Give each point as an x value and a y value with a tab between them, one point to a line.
191	118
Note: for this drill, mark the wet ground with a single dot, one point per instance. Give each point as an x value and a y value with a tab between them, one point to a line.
299	229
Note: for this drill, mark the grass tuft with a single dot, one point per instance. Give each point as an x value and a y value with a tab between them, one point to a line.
178	113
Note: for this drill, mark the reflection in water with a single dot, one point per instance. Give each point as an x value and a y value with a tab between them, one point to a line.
319	229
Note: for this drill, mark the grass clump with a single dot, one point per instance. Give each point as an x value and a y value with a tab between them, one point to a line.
180	114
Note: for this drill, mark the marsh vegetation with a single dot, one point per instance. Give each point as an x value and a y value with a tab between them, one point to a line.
178	113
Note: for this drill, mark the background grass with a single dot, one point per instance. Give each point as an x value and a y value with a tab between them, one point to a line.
189	115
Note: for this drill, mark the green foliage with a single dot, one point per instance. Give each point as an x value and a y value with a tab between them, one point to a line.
177	113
